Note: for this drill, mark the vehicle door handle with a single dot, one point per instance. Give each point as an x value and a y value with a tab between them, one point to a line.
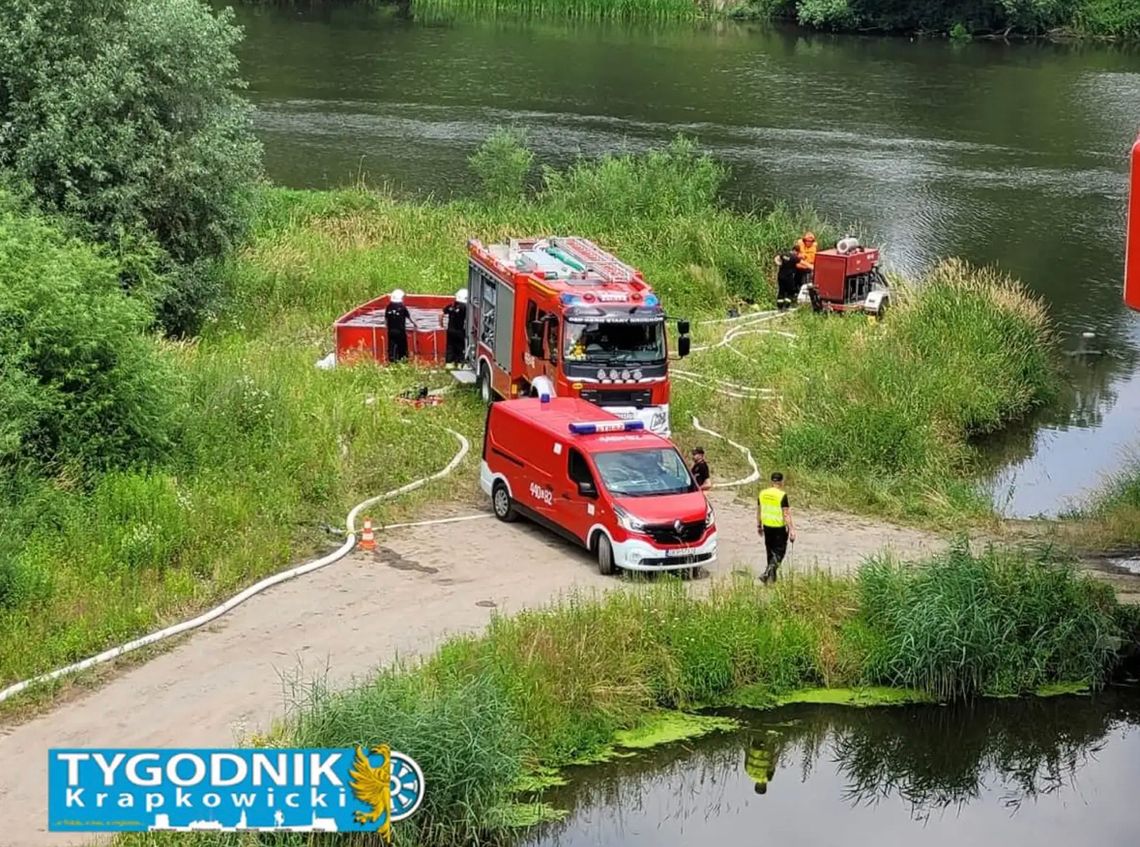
565	495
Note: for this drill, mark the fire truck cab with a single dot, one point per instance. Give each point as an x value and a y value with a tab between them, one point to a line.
610	485
561	316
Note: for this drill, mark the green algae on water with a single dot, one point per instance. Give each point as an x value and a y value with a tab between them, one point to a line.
667	727
524	815
1057	689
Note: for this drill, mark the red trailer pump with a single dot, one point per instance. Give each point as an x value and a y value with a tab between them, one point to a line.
1132	238
847	278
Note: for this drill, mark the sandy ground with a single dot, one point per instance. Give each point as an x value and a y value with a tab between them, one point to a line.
424	584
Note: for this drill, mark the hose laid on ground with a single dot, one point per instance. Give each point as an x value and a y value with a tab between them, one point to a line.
752	477
257	588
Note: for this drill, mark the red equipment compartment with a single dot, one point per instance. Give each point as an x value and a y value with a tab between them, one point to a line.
833	269
363	332
1132	238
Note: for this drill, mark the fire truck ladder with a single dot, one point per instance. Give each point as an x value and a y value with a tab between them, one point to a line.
595	259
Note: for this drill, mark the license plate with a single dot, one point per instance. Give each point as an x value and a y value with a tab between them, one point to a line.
684	551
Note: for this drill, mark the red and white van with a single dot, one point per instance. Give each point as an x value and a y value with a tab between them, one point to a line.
619	490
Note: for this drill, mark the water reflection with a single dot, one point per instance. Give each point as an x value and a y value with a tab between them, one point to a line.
970	774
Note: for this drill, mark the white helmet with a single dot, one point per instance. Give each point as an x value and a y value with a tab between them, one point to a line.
461	295
398	295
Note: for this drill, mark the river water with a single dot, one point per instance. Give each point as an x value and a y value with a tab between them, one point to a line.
1006	154
994	774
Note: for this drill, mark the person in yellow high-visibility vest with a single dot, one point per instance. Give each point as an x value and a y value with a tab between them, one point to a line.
760	760
774	522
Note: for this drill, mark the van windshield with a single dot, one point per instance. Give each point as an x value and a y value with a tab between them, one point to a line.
644	473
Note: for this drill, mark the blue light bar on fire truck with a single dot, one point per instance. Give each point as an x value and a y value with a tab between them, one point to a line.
591	427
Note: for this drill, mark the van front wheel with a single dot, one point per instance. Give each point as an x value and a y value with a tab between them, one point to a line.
501	503
605	555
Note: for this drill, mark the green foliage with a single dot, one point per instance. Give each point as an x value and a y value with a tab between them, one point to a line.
673	182
999	623
1117	18
825	14
81	388
126	115
503	162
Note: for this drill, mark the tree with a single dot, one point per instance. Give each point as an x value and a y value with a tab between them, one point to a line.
127	115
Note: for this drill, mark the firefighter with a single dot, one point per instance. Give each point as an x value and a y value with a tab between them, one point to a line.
760	760
786	277
774	522
806	247
456	315
397	318
700	469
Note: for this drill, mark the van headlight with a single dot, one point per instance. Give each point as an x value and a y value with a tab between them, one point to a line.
710	515
628	521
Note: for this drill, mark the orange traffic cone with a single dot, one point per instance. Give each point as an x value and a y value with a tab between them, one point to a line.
367	539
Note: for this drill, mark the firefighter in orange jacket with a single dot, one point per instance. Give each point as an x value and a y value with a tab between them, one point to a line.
806	247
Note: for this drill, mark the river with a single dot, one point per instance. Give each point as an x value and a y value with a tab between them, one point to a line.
1006	154
993	774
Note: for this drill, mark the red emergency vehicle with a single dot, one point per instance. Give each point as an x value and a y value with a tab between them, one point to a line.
621	491
561	316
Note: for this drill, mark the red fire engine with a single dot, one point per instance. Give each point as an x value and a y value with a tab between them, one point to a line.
561	316
557	316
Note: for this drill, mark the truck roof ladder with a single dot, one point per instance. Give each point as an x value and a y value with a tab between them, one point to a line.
596	259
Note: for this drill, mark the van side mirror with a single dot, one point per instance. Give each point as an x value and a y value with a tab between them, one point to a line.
586	489
683	327
683	346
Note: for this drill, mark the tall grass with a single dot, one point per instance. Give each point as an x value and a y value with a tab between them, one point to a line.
880	416
998	623
1112	520
553	686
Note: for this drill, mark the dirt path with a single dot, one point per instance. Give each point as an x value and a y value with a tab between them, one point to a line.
424	584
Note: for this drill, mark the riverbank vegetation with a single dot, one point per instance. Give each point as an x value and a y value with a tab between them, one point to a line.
241	449
539	690
960	20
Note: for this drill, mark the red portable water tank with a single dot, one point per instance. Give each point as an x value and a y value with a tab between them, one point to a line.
1132	239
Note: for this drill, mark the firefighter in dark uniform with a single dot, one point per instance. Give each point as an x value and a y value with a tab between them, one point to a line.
397	318
456	316
786	287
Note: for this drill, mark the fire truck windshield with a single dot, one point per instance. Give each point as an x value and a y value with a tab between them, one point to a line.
644	473
611	342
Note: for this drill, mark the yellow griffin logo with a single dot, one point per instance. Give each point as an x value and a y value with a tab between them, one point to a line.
392	790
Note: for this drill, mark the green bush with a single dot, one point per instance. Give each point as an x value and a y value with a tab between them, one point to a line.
503	162
81	387
126	115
